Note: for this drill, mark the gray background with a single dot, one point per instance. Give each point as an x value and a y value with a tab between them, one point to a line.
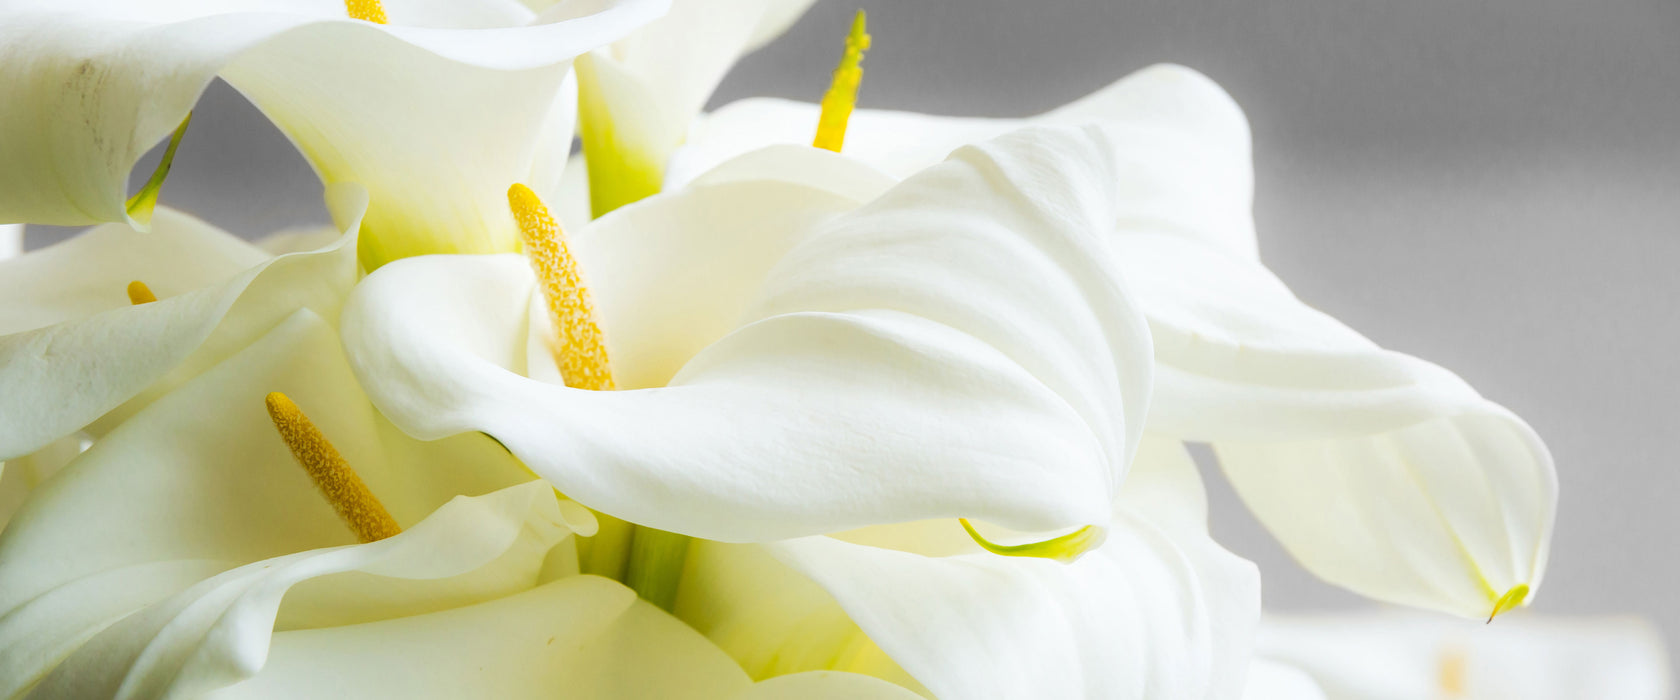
1492	185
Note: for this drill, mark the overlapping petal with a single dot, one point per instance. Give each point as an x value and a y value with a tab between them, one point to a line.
434	113
168	499
1158	611
75	349
639	95
1378	471
959	346
1391	656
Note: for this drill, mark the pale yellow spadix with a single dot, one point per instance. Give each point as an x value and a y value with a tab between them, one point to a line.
842	92
369	10
338	483
580	349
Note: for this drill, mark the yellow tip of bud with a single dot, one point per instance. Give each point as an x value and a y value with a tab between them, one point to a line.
348	495
841	97
139	293
140	206
369	10
1512	598
581	349
1065	549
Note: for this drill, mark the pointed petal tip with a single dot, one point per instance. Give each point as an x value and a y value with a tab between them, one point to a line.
1517	596
1066	549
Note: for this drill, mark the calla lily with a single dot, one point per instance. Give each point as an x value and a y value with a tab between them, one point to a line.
1393	656
77	350
638	95
1378	471
184	557
1158	611
426	111
791	360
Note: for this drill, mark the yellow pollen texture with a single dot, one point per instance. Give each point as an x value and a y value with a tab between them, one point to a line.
355	504
139	293
837	103
581	350
369	10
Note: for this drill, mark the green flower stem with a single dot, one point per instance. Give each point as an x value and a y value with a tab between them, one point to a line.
656	565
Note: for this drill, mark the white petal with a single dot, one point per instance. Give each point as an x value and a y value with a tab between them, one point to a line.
1159	611
102	353
11	240
1402	657
1182	142
20	475
169	498
1274	681
365	103
217	632
645	89
963	328
1378	471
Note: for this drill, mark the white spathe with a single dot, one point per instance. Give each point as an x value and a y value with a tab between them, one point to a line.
434	114
1158	611
1378	471
638	95
793	363
1397	656
73	349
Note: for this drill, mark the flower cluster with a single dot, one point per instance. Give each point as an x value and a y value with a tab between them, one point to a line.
704	411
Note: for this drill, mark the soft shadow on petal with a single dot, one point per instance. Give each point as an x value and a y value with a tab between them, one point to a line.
1158	611
364	102
104	356
169	498
964	328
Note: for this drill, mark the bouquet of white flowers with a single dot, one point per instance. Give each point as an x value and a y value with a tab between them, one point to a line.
782	401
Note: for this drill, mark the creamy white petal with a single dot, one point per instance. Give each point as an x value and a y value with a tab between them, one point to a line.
964	328
168	498
1378	471
1274	681
639	95
11	240
1393	656
1182	142
101	354
584	637
434	122
20	475
218	632
1159	611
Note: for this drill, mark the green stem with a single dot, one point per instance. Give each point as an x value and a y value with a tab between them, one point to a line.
656	565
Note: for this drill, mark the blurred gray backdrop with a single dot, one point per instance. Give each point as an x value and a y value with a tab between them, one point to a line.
1492	185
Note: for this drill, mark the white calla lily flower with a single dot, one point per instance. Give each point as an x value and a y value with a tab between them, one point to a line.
184	557
1395	656
1158	611
79	351
791	363
433	113
1378	471
638	95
